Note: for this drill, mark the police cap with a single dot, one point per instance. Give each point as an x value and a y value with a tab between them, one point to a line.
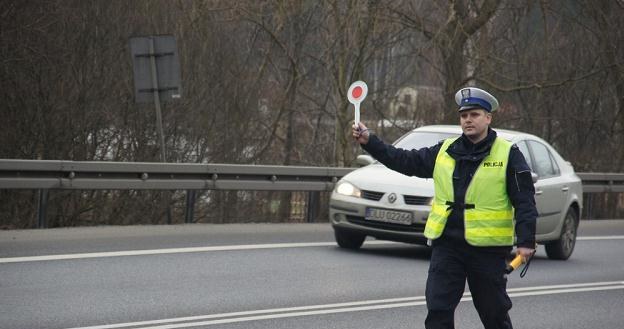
475	98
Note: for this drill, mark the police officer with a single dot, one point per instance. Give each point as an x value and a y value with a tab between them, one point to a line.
483	205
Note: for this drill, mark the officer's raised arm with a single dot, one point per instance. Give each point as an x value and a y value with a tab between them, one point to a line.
408	162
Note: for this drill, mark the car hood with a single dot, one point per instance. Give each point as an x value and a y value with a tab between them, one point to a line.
377	177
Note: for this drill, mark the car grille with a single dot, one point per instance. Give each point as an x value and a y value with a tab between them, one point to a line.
418	227
372	195
416	200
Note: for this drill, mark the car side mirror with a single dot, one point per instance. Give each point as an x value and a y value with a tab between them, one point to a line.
364	160
534	177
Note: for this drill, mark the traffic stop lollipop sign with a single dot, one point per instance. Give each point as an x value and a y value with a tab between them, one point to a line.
357	93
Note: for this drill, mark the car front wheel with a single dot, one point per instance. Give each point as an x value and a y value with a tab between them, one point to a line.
349	240
562	248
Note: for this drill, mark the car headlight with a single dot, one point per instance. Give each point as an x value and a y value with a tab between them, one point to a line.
346	188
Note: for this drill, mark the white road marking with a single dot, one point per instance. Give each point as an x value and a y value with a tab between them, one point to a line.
214	248
277	313
275	310
606	237
565	286
176	251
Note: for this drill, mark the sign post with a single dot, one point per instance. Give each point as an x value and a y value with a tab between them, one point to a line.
356	94
156	77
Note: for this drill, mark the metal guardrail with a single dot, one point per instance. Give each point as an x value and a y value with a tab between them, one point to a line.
105	175
45	175
602	182
77	175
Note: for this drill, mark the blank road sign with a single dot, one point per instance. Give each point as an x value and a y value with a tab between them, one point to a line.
165	54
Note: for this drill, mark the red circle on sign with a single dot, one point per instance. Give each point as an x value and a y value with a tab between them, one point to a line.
357	92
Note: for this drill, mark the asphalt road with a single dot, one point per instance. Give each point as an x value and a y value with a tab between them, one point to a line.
276	276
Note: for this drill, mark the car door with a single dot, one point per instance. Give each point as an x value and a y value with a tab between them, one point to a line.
549	189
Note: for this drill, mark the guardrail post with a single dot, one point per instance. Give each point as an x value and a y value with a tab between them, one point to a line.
42	207
313	205
589	206
190	206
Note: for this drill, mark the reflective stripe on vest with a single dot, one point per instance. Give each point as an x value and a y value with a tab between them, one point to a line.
490	222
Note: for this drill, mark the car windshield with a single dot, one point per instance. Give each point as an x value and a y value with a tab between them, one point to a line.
420	139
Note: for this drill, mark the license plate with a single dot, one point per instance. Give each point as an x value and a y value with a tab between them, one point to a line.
389	216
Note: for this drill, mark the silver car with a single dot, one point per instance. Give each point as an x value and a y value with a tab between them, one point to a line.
382	203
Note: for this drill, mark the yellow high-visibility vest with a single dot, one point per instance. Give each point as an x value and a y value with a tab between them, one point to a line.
488	213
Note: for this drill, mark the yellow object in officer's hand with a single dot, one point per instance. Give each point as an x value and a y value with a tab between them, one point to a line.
515	263
519	260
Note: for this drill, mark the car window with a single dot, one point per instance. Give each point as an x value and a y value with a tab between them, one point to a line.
420	139
525	151
543	161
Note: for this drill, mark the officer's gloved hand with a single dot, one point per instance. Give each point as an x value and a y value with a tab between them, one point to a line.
360	133
526	253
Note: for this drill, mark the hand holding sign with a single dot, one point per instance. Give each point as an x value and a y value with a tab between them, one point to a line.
356	94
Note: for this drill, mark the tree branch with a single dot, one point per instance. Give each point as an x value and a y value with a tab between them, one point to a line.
540	85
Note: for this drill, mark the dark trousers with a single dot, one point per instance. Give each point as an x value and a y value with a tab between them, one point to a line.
450	267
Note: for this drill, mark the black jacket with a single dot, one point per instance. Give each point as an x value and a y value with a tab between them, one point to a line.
467	156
